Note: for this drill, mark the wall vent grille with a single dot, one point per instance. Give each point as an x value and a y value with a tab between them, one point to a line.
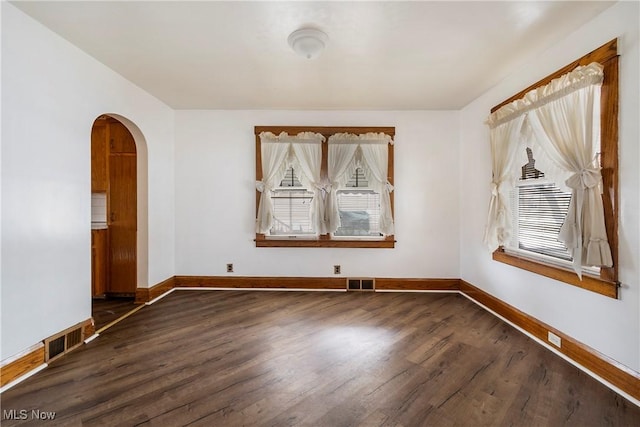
63	342
55	348
361	284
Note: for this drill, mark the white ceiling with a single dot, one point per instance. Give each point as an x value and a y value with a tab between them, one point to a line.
381	55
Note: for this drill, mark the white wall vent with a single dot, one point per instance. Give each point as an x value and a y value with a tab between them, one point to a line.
361	284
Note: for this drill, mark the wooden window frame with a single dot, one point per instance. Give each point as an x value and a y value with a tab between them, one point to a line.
323	240
607	282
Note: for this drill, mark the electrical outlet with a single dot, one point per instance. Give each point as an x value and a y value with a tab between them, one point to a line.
336	269
554	339
229	268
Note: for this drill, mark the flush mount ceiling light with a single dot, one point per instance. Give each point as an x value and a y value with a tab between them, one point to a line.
308	42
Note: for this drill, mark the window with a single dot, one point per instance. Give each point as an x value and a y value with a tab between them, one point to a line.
359	208
538	209
291	204
324	197
536	204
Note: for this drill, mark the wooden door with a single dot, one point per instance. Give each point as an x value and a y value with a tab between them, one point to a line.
122	218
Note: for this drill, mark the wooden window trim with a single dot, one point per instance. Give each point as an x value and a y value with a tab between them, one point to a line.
324	240
607	284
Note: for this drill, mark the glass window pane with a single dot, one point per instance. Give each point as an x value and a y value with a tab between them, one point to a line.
291	212
359	213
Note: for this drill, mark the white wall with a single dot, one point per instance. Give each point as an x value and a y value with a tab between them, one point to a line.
51	94
610	326
215	197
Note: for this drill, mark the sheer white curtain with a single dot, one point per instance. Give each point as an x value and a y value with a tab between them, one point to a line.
308	156
275	153
274	164
564	118
343	162
341	165
567	129
505	143
375	161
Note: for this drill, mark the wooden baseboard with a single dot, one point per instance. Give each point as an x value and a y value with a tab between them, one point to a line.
329	283
89	328
608	369
22	365
147	294
36	356
260	282
404	284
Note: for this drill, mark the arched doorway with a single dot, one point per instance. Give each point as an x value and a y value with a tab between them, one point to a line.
117	269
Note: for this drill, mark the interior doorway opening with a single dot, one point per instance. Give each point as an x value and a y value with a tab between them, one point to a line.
118	216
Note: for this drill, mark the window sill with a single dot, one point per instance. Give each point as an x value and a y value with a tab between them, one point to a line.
590	283
324	242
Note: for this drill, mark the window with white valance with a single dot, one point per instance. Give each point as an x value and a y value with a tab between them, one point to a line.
305	187
368	155
561	121
302	153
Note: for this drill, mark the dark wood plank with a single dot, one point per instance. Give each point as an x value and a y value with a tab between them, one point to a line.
591	359
105	311
316	358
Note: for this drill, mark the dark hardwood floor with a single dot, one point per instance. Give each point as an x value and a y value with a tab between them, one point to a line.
106	310
234	358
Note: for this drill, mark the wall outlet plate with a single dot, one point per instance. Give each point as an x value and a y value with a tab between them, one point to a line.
336	269
554	339
229	268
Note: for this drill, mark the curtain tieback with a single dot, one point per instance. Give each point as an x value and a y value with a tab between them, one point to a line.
586	178
496	187
389	187
262	187
571	231
325	188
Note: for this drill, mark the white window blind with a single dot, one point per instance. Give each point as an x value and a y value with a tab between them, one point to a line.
539	209
291	204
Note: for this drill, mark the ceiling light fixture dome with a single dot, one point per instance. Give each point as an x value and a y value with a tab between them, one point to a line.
308	42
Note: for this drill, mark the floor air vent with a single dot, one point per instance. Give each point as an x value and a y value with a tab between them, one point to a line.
361	284
63	342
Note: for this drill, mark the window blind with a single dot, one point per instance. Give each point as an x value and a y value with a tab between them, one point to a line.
541	208
291	207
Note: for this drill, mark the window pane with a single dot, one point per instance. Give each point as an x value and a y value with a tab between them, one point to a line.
291	204
291	212
541	211
290	179
358	180
359	213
